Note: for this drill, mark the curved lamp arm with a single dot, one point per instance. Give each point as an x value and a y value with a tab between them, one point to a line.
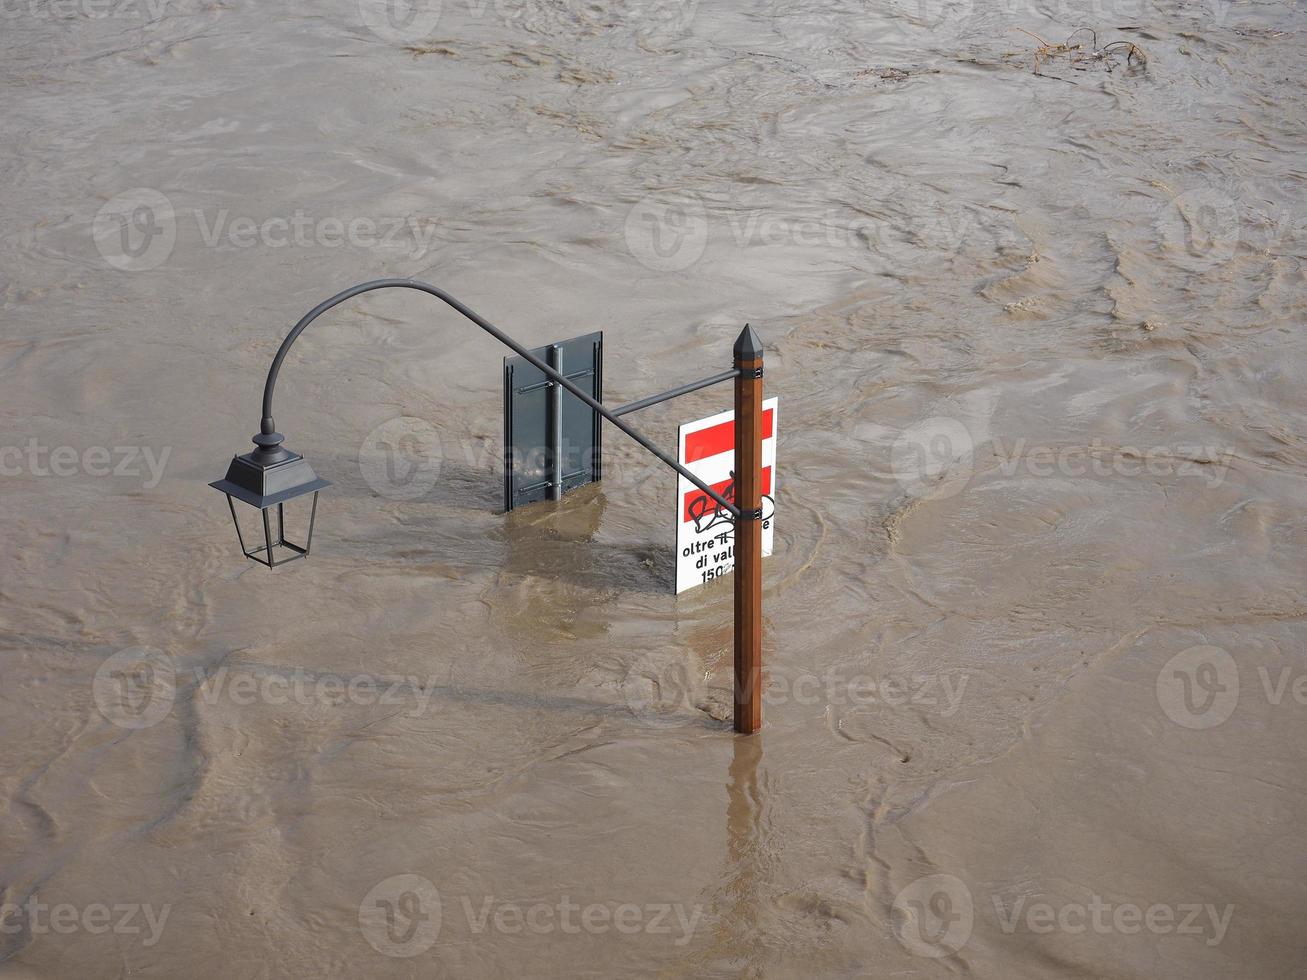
269	439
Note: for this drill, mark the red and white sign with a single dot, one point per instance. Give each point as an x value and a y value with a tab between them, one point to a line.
705	534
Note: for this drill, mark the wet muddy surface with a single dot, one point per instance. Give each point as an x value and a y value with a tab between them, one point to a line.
1035	619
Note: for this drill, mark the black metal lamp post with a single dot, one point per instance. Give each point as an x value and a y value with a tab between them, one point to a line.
272	475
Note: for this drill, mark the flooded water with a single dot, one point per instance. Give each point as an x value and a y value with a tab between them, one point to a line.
1035	619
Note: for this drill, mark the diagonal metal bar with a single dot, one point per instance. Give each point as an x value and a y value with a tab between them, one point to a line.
268	426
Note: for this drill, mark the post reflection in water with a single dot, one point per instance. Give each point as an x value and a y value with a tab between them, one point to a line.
747	869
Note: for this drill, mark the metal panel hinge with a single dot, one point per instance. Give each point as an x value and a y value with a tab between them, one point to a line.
754	373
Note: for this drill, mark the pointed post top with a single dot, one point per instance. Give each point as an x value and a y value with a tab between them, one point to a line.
747	346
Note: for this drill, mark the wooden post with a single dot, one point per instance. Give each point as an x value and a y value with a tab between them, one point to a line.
748	533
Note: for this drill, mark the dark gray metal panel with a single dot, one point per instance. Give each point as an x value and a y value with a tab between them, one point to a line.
530	431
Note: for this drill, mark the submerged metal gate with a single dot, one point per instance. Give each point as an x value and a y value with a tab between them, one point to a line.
552	438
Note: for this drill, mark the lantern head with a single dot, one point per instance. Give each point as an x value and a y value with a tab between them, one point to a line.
270	477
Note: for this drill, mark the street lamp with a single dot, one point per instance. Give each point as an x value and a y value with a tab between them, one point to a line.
272	476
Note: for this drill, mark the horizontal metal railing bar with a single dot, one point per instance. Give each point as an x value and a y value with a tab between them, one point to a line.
549	483
676	392
549	384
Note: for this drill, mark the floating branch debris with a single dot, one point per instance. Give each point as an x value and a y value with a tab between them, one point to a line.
888	73
1081	51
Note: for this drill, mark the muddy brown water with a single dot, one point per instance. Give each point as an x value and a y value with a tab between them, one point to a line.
1034	624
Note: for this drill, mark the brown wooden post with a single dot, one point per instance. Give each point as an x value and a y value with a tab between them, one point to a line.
748	533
